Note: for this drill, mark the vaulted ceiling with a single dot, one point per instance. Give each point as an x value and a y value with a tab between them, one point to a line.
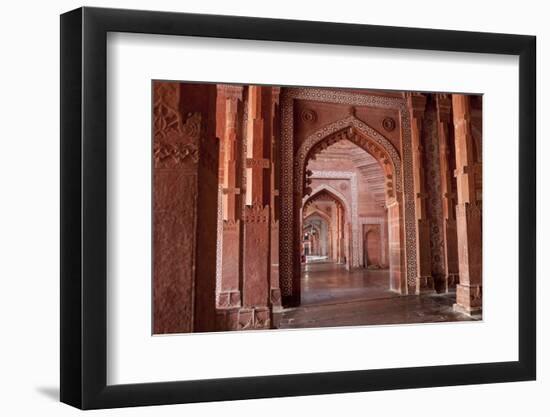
347	155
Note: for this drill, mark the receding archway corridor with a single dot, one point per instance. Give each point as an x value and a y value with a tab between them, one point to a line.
282	207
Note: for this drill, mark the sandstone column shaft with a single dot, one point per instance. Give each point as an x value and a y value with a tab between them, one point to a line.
185	177
229	297
447	193
424	279
274	130
255	285
468	211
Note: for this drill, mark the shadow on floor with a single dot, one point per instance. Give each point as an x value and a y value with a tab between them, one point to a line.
50	392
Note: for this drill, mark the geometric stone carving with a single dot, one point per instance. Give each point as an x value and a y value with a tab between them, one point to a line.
424	279
388	124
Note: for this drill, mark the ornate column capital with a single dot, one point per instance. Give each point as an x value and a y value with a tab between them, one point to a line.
416	103
444	104
461	107
275	95
230	91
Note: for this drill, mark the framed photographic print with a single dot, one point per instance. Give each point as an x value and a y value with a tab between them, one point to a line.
257	208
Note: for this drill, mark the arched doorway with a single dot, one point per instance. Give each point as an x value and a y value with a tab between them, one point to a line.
357	132
316	239
328	242
372	247
338	219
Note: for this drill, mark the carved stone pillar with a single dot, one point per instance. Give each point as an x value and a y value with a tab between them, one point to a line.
384	241
448	196
341	238
274	129
348	245
255	312
185	156
229	296
468	211
424	279
395	246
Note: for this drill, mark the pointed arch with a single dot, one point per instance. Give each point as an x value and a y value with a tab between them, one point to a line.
381	149
319	213
374	143
350	214
362	135
349	211
400	207
315	240
335	194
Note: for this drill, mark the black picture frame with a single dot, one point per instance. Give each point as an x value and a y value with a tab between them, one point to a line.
84	207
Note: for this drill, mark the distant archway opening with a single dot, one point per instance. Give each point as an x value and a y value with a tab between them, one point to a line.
381	149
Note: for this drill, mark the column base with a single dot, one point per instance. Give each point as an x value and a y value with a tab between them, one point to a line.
276	316
242	318
254	318
468	299
275	298
452	281
227	319
425	285
469	311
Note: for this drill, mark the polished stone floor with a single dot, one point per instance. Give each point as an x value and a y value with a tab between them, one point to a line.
333	296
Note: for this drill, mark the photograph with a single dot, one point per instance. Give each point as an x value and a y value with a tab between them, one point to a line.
286	207
270	209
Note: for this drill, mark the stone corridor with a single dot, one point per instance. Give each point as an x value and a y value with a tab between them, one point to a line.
278	207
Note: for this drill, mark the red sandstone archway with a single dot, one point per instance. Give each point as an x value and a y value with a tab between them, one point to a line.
315	232
384	153
318	214
343	236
